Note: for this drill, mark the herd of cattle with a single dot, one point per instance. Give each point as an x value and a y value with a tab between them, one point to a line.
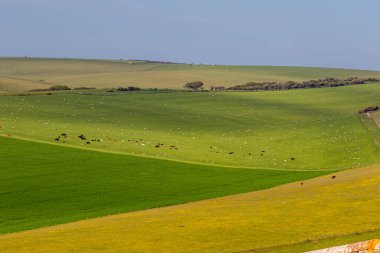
82	137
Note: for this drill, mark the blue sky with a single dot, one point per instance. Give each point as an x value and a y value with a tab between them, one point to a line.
329	33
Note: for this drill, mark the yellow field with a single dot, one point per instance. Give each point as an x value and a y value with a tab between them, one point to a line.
284	217
21	74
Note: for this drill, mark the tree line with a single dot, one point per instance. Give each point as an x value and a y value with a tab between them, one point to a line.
320	83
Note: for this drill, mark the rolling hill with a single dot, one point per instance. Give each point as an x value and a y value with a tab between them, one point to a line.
294	218
22	74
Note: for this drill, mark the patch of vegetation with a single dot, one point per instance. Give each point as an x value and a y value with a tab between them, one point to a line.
84	88
193	85
369	109
44	185
130	88
291	85
52	88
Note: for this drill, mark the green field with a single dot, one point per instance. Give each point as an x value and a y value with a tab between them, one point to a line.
21	74
319	128
153	149
44	185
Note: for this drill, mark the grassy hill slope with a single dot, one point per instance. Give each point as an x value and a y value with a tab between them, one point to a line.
111	73
319	128
42	185
291	218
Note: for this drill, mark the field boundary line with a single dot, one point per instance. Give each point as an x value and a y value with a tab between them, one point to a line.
169	206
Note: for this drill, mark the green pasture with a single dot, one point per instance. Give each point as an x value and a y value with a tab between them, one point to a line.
313	129
43	185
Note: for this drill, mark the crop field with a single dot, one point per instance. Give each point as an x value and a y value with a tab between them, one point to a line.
298	130
21	74
292	218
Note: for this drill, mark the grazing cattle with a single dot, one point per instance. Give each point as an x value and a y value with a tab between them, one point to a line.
88	142
301	183
64	135
56	139
292	158
82	137
231	153
333	177
157	146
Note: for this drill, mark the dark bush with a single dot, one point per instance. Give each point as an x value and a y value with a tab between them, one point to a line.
84	88
369	109
59	87
130	88
193	85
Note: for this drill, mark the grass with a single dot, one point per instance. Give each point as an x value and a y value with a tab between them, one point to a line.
319	128
326	242
226	143
322	212
38	73
44	185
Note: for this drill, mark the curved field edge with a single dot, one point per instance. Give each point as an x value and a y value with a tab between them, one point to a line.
42	185
289	218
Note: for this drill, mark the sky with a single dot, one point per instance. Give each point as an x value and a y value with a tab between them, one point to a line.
325	33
